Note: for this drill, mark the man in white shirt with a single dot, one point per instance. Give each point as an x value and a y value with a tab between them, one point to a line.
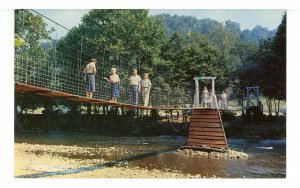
134	87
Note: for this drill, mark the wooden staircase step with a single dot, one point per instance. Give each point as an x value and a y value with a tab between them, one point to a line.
206	129
205	116
206	137
205	120
213	129
202	141
205	112
203	124
202	133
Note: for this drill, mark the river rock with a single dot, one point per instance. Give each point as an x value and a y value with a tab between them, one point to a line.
230	153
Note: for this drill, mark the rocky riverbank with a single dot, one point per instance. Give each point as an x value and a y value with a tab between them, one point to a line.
59	161
213	154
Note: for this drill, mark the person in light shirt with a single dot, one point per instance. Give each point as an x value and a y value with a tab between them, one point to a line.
114	80
90	72
134	87
146	86
204	97
223	97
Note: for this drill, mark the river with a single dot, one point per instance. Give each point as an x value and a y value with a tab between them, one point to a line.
267	157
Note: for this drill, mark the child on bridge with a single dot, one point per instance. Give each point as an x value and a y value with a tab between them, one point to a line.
114	80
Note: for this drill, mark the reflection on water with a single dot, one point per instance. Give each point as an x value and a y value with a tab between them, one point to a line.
267	158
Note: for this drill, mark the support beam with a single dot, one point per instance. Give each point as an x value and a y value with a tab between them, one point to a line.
196	96
213	85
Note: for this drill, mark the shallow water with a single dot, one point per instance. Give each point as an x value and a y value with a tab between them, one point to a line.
267	158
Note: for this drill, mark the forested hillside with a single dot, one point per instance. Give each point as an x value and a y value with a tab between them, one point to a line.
184	24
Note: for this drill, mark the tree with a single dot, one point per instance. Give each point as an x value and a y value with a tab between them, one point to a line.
269	68
128	33
244	51
124	39
233	26
31	30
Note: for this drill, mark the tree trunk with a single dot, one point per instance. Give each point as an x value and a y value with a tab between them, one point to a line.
89	109
269	104
278	105
275	107
95	109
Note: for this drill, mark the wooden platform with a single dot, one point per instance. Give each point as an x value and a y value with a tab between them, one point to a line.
206	130
25	88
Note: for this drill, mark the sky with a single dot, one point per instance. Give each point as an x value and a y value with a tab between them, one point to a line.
247	18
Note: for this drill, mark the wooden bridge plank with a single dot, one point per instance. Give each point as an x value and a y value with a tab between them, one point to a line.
205	120
207	137
202	133
205	141
205	113
206	116
210	129
208	124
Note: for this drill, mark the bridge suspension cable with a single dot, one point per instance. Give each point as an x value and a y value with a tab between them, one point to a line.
58	67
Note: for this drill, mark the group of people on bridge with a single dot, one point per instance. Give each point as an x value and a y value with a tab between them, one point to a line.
136	85
207	99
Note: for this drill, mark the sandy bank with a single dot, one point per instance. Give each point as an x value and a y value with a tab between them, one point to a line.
39	159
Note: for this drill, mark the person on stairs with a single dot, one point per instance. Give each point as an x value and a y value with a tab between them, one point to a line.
204	97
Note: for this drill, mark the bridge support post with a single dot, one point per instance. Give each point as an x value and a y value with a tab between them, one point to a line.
213	85
196	96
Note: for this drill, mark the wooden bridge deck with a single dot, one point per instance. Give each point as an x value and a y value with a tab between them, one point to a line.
25	88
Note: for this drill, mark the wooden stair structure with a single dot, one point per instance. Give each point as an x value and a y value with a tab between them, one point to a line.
206	131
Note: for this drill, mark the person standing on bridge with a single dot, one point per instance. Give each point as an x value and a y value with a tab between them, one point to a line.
209	99
146	86
134	87
223	100
114	80
90	72
204	97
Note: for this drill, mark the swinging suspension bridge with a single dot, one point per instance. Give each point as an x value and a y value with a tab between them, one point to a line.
56	74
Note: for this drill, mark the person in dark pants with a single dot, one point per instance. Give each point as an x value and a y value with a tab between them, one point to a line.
90	72
134	87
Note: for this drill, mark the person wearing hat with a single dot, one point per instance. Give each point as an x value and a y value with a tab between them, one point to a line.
90	72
